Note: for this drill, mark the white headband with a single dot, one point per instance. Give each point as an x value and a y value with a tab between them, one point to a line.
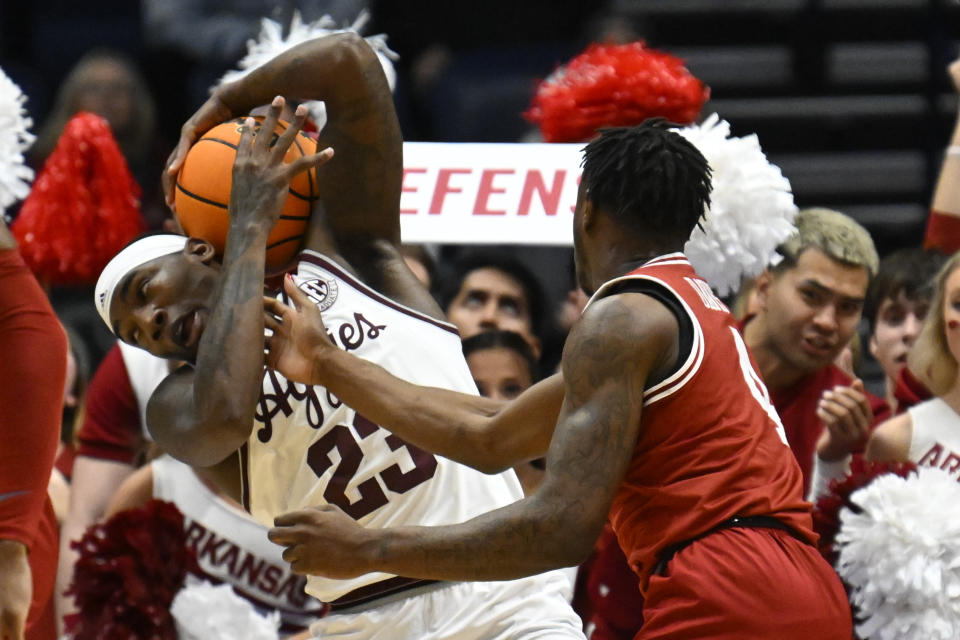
132	256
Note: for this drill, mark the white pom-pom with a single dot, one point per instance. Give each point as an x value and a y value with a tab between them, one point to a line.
751	208
271	43
901	555
203	611
15	175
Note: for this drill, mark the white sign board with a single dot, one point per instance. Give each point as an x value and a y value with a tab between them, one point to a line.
483	193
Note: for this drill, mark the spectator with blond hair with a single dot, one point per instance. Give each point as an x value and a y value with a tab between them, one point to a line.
808	309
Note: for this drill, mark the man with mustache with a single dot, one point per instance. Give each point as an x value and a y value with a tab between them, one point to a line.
808	309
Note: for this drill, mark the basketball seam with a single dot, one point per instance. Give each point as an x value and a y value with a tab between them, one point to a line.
221	141
201	198
290	190
309	176
273	245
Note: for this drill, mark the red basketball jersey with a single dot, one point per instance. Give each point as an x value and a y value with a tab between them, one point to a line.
711	446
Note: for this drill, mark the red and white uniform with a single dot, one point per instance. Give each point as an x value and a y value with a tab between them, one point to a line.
935	438
711	448
114	423
232	548
34	348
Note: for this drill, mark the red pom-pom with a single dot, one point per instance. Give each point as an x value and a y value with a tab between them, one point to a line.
826	513
84	206
129	571
615	85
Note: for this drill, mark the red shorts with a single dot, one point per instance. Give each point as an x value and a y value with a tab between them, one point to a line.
744	584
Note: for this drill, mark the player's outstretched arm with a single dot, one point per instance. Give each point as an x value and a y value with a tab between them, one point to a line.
482	433
607	361
202	414
361	191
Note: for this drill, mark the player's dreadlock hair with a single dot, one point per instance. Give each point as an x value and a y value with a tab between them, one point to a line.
648	176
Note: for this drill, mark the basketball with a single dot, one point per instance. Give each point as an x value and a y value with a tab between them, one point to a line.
203	192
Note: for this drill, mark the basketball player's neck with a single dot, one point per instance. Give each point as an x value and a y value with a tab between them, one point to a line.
617	248
627	252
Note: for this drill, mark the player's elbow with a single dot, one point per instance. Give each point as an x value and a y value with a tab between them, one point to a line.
490	453
489	467
566	551
579	550
353	49
199	443
202	452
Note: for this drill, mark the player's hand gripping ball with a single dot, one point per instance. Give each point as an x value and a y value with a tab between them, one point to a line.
206	177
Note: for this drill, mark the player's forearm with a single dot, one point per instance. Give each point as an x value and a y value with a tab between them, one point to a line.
229	367
455	425
522	539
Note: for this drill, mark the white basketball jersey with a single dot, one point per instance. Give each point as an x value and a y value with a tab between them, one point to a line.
935	441
232	548
145	372
307	448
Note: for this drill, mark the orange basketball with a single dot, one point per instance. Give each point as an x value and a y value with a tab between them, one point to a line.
203	192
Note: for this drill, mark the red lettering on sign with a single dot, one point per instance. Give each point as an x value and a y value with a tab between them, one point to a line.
405	188
549	199
443	187
480	207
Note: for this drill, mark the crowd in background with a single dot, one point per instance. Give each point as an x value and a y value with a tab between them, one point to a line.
832	327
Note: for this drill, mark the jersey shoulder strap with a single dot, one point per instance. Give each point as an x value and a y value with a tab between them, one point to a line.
667	298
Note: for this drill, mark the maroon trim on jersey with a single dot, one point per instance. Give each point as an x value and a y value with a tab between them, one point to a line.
696	350
244	477
332	267
377	590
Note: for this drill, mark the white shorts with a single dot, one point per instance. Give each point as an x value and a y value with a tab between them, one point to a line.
528	608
